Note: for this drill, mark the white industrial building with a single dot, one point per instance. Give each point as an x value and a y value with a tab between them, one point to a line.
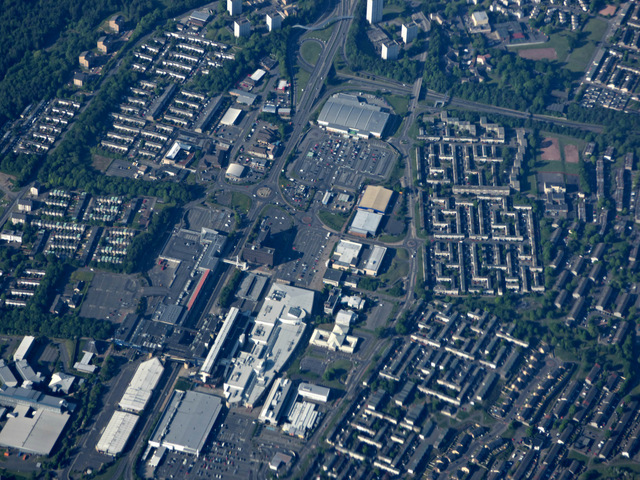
214	353
278	328
187	422
349	115
277	401
316	393
365	224
35	432
141	386
234	172
116	434
374	260
24	348
301	419
231	116
346	255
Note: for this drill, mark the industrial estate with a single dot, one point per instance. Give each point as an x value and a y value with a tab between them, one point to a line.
362	239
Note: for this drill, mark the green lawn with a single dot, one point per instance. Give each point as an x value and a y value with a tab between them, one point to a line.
399	267
82	276
302	78
399	104
240	202
580	57
323	34
332	220
310	52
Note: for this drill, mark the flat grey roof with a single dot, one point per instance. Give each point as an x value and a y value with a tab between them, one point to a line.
187	422
348	112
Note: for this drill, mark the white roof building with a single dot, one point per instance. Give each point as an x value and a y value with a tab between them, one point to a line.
24	348
365	223
117	433
141	386
278	328
373	263
346	255
235	171
313	392
187	422
213	354
231	116
36	434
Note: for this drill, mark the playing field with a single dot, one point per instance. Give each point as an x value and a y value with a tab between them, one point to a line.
539	54
550	150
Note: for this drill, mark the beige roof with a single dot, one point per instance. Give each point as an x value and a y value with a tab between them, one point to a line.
375	198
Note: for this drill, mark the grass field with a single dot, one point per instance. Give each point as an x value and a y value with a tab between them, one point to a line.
332	220
323	34
399	267
82	276
310	52
240	202
580	57
400	104
302	78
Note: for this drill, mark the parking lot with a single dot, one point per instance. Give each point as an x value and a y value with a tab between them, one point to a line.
231	453
603	97
302	262
199	217
111	296
331	160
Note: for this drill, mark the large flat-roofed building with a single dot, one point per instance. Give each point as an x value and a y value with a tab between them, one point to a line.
277	401
187	422
24	348
214	353
375	199
347	114
346	255
373	261
6	375
231	117
116	434
365	223
313	392
33	432
27	397
278	328
141	386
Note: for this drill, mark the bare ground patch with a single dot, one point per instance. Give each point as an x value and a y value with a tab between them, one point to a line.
608	11
571	154
539	53
101	163
550	150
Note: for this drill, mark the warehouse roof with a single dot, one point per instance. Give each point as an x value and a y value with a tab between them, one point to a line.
365	223
347	113
141	386
231	116
375	199
235	170
36	434
117	433
187	422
